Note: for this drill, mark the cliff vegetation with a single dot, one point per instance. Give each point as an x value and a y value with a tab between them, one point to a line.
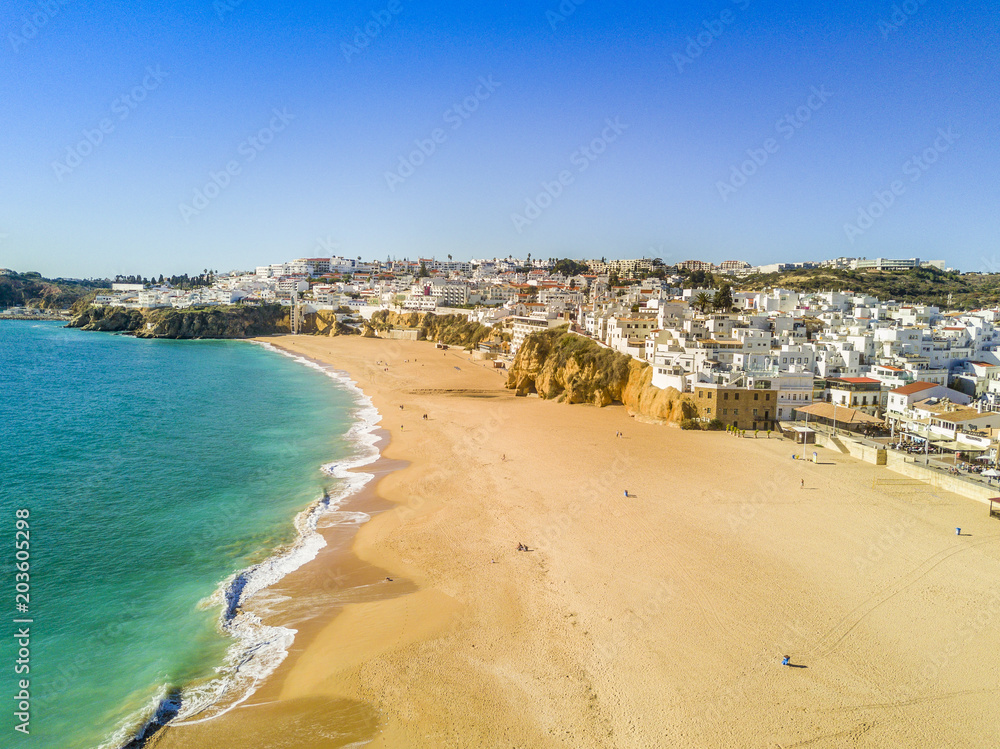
31	290
453	330
948	290
204	322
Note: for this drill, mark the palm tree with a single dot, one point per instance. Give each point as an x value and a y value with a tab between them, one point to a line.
702	302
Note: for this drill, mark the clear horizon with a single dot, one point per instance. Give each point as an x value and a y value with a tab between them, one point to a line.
234	134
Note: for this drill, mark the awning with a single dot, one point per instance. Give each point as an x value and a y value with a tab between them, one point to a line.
961	447
840	414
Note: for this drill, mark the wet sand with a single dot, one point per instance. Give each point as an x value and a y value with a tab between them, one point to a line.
655	620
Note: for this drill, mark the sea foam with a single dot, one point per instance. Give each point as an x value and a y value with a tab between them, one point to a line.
258	648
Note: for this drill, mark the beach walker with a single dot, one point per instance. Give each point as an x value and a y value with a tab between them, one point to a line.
958	531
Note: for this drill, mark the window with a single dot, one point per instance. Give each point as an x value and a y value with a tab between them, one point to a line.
755	413
708	411
725	412
756	396
736	396
725	396
736	412
767	397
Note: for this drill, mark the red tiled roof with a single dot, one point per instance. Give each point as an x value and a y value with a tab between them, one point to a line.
913	387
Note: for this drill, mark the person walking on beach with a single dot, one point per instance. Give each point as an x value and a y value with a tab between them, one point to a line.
786	661
802	484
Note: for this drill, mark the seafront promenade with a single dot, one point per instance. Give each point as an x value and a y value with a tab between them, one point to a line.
658	619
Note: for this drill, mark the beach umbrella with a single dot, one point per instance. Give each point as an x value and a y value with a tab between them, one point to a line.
990	474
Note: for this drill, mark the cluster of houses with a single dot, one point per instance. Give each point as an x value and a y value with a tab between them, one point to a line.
914	375
915	372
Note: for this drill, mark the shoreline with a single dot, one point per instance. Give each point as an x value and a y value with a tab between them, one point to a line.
659	620
258	649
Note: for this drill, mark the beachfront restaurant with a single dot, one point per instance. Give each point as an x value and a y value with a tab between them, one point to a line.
962	448
839	417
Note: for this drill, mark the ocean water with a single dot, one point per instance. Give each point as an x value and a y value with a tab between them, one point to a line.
166	482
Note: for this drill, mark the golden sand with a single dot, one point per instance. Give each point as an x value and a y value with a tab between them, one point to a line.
656	620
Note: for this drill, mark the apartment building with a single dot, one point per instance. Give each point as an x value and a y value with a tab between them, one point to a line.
742	407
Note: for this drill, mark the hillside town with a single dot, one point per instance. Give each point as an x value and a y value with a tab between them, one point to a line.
916	376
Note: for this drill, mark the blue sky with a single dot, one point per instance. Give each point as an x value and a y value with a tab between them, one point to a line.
165	138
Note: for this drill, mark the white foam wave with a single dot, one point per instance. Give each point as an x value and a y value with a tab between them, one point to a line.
258	648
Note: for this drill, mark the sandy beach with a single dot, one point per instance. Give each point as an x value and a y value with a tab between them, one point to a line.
659	619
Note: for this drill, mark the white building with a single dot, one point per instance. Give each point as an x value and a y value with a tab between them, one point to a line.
525	326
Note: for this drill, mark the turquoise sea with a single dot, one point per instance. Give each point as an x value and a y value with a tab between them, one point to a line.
152	472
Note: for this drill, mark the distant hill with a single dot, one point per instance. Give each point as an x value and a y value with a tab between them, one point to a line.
920	285
31	290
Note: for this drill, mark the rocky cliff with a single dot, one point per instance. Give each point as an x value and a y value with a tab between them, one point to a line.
109	319
573	369
207	322
454	330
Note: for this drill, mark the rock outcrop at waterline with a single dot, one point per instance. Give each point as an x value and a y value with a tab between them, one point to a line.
567	367
206	322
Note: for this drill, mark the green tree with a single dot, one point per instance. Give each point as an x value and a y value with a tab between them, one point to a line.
723	299
569	267
702	302
423	269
